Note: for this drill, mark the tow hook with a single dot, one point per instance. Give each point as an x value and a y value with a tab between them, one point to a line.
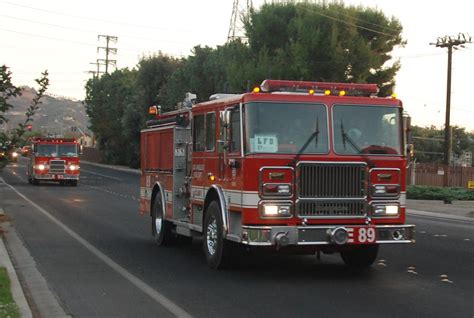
281	239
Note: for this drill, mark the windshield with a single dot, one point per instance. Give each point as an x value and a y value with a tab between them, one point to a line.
56	150
46	150
366	130
273	127
67	150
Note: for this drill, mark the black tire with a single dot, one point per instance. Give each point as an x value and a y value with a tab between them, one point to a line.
219	252
362	256
30	181
62	183
35	181
73	183
160	228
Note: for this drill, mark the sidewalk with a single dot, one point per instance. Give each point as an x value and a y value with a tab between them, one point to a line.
16	289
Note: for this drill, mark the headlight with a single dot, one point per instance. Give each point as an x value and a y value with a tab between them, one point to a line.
385	209
276	189
14	154
40	167
269	210
73	167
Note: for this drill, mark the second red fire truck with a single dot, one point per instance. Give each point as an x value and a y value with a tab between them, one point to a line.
54	159
292	166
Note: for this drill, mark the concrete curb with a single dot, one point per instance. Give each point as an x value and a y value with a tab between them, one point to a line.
120	168
16	289
439	215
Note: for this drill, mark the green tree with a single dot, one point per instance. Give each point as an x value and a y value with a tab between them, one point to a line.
106	100
324	42
43	83
429	143
7	91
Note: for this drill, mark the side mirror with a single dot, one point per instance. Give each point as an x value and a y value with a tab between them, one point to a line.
410	151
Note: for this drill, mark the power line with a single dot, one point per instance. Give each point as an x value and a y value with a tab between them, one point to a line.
93	19
351	24
361	20
88	31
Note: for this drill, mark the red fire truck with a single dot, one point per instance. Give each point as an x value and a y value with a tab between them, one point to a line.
292	166
54	159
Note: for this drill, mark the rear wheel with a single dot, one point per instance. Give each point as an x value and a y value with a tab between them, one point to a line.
360	256
219	251
74	183
35	181
161	229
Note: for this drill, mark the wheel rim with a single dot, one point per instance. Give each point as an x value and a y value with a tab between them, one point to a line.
211	236
158	224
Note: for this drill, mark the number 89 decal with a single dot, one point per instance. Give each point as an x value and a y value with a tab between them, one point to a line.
362	235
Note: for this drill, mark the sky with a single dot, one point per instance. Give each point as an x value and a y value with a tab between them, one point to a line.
62	37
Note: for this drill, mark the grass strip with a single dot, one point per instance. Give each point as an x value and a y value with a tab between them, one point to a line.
8	307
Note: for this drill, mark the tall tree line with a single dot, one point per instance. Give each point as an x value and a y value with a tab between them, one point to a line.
294	41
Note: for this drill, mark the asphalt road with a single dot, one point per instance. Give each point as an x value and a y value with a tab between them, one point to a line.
98	257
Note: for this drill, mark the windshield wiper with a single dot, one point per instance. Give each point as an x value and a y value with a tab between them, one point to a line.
315	135
349	139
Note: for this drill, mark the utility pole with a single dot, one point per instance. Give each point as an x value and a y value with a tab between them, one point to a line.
108	50
236	28
96	73
449	42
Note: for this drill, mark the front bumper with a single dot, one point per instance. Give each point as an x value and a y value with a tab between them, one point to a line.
56	177
319	235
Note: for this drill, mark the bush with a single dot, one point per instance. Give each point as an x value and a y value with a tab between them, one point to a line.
439	193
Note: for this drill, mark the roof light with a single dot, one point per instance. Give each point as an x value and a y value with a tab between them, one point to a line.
318	87
342	93
327	92
394	96
311	92
153	110
256	89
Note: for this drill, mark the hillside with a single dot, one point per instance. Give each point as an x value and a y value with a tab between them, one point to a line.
55	116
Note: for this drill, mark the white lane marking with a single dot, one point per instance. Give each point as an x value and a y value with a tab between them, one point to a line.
412	270
155	295
444	278
100	174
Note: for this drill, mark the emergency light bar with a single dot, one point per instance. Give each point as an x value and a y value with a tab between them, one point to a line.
53	140
325	88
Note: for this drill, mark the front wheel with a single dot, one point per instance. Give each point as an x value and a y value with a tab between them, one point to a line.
360	256
161	229
219	251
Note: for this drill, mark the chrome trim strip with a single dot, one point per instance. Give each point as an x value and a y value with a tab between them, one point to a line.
224	210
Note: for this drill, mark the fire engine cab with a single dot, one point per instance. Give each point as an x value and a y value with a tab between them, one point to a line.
54	159
291	166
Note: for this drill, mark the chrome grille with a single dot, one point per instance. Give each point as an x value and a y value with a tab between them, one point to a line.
331	209
57	166
331	180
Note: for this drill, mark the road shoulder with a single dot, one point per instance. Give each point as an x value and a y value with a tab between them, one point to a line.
43	301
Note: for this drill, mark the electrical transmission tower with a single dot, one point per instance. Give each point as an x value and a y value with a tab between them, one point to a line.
450	42
108	50
236	27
